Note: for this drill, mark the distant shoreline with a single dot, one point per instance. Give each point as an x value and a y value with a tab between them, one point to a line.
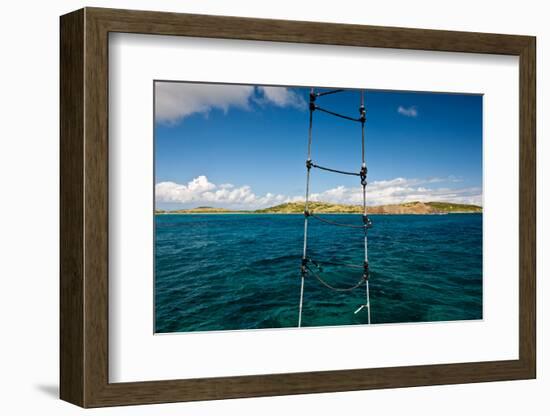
317	207
324	213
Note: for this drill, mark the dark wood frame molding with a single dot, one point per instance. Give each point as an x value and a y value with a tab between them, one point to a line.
84	208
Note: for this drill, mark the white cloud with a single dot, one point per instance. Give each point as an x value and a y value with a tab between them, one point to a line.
401	190
407	111
200	191
282	97
176	100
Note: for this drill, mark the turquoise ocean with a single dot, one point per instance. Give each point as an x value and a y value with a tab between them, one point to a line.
242	271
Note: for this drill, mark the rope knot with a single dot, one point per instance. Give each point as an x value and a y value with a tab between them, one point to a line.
367	221
303	267
363	175
312	98
363	114
366	270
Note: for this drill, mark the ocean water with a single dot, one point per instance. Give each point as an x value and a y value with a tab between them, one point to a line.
242	271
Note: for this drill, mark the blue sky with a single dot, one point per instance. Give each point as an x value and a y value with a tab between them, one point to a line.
245	147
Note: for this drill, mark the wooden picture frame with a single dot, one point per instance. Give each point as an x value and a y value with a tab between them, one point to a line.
84	207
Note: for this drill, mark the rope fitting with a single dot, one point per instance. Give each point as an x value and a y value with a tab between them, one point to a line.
312	98
363	114
367	221
303	268
363	175
366	270
307	213
309	164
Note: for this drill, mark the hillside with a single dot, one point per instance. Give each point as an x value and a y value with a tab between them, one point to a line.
318	207
328	208
198	210
457	208
405	208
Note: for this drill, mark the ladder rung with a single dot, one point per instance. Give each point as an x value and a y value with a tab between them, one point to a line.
320	94
324	110
343	172
339	224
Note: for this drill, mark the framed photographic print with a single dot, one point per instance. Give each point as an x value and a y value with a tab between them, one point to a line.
256	207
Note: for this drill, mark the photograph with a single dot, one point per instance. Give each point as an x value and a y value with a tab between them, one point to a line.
288	207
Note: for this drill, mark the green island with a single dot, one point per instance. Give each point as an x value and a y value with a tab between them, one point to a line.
420	208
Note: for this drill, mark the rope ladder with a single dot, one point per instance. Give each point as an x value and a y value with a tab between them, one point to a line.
314	267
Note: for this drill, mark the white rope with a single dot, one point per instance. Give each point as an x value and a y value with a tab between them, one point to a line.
368	301
364	184
301	302
306	207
